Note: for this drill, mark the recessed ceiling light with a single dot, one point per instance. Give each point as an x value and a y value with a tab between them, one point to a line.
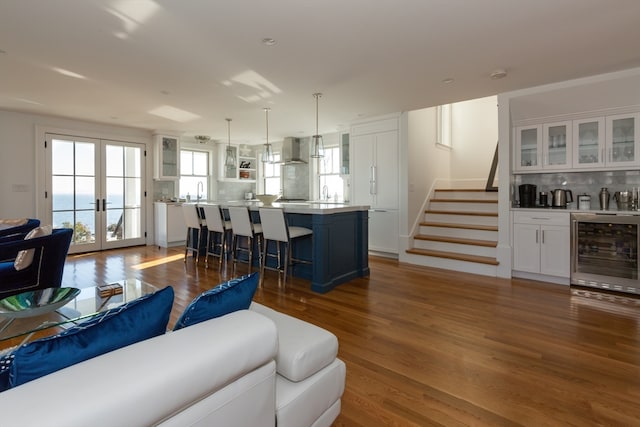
268	41
447	80
498	74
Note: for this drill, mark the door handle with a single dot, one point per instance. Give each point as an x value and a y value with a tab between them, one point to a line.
104	204
537	231
97	203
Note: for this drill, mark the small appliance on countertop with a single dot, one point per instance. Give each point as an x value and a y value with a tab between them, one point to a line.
584	202
527	194
561	197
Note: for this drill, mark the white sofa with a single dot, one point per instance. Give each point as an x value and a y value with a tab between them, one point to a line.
254	367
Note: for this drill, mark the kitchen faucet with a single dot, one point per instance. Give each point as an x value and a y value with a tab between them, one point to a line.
199	189
325	192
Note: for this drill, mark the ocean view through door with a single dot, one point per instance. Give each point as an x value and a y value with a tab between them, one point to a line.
96	187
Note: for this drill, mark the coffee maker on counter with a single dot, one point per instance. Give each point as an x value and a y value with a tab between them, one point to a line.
527	195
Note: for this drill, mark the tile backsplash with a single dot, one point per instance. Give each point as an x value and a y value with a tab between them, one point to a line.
579	182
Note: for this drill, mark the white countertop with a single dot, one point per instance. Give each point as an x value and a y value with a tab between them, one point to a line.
317	208
572	210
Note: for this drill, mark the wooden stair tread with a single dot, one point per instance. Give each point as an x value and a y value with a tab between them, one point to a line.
460	240
463	226
453	255
463	201
430	211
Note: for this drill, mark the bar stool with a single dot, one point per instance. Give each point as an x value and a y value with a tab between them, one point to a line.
276	229
218	230
194	228
243	227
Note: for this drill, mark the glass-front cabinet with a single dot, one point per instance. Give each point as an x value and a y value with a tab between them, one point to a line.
243	167
622	140
588	143
528	144
344	153
556	145
167	151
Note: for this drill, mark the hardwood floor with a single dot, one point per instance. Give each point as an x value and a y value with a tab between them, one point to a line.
431	347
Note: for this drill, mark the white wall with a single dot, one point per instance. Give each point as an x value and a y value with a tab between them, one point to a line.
426	162
21	167
474	138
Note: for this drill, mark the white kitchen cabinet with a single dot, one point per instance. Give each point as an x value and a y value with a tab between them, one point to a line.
384	230
528	148
166	158
245	169
375	169
170	228
556	145
541	243
374	180
622	140
588	143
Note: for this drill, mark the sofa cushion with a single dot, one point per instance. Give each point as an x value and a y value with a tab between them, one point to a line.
302	403
138	320
303	349
233	295
25	258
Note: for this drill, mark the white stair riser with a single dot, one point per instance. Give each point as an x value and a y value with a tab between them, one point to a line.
460	232
455	248
453	264
461	206
465	195
461	219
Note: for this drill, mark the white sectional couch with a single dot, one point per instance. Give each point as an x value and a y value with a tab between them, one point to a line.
254	367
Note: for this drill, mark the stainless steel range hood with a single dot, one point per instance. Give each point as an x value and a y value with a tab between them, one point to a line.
291	152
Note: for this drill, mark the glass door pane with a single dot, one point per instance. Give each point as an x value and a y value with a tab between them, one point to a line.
74	190
529	147
588	142
123	191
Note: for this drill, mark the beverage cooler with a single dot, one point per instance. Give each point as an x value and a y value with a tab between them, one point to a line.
604	251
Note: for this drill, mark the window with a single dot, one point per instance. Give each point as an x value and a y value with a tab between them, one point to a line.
330	181
272	183
194	171
443	125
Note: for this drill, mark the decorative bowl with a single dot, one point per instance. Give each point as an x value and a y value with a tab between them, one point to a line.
267	199
34	303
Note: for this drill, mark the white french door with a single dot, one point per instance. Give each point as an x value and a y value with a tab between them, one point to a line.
96	187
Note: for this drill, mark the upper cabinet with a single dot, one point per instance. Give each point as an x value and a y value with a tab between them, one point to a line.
588	143
528	148
556	145
601	142
167	158
622	141
245	168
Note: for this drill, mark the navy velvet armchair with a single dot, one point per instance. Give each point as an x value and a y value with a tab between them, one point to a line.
45	271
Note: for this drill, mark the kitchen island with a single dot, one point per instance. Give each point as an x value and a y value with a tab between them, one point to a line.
339	246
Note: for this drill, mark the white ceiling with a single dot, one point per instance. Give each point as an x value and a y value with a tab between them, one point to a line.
205	58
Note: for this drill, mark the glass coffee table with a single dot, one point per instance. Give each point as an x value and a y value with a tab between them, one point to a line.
21	319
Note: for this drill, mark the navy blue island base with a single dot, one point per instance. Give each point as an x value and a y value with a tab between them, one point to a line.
338	249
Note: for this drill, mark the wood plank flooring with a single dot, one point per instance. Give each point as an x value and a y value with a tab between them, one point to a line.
430	347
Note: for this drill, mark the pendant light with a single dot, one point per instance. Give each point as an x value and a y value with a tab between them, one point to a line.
267	152
230	161
317	146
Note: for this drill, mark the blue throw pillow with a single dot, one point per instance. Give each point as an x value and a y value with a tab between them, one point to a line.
138	320
227	297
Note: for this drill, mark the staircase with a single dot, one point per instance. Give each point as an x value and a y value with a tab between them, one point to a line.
459	232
